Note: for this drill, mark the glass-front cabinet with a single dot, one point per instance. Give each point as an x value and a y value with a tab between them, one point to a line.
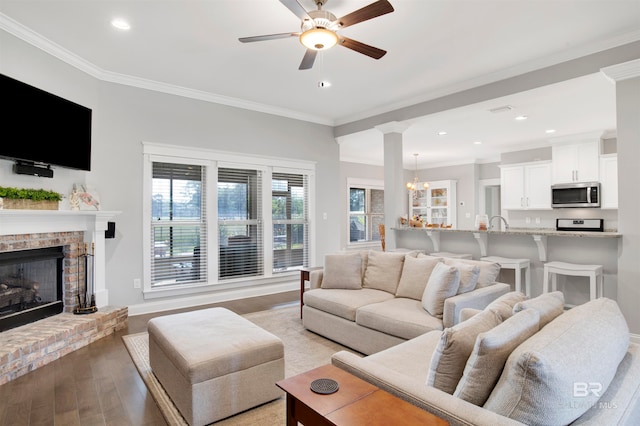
435	206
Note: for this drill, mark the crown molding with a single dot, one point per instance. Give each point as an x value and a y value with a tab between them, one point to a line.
622	71
35	39
393	127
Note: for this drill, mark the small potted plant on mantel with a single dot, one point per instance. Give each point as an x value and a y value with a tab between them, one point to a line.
28	199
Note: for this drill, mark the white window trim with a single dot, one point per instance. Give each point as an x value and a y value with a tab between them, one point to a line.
212	159
368	184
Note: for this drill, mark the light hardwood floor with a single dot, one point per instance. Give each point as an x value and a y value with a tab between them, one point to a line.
98	384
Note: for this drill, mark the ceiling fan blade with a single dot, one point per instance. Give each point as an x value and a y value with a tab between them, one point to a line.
297	9
378	8
360	47
308	59
268	37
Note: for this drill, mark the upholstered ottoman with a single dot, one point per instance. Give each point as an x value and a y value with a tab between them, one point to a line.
214	363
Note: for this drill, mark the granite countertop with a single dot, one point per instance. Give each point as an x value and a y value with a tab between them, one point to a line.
527	231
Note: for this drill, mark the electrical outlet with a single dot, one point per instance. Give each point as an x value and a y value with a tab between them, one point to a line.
137	283
527	219
467	215
538	220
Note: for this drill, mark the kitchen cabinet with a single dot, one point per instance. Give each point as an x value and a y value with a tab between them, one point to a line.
609	181
526	186
436	204
576	162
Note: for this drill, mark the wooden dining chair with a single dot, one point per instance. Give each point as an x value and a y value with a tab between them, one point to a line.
381	231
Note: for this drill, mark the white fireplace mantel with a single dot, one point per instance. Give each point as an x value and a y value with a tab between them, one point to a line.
92	223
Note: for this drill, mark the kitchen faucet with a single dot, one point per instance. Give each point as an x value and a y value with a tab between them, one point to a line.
506	225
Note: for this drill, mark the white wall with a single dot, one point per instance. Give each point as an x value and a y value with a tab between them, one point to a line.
124	116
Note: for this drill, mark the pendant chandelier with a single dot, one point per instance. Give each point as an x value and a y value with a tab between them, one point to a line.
412	186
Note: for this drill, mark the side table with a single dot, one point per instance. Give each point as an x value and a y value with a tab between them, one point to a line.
356	403
304	276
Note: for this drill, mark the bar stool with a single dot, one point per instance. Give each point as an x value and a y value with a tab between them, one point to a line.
451	255
518	265
594	272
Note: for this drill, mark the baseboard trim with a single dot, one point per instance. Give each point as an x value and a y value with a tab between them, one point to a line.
215	297
635	338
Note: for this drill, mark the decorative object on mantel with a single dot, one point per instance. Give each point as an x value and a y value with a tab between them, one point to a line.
28	199
87	197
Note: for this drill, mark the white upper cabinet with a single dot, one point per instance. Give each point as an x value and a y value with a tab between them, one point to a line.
526	186
609	181
576	159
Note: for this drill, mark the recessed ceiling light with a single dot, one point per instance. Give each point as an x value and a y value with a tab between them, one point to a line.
550	131
521	117
120	24
442	133
477	142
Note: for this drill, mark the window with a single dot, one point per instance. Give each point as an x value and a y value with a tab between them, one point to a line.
239	223
178	225
254	213
289	211
366	212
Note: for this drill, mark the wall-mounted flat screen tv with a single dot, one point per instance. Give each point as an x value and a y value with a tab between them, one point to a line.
43	128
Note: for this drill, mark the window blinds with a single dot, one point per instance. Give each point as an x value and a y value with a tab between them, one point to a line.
240	223
178	224
290	217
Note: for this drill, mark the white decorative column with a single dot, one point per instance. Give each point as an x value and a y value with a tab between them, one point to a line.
395	194
626	77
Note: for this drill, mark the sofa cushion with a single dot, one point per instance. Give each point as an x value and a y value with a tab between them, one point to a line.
401	317
557	374
488	270
343	303
415	274
469	275
549	305
490	352
503	305
383	271
342	271
453	350
442	283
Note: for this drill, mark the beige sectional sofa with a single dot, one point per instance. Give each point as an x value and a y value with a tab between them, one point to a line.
518	361
371	301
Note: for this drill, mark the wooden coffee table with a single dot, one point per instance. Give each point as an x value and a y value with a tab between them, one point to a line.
355	403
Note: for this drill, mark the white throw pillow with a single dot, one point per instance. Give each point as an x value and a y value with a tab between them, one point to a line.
488	270
342	271
442	284
415	274
503	305
469	275
550	306
383	271
582	346
453	350
490	352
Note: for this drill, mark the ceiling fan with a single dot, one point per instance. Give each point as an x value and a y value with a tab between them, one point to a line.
319	28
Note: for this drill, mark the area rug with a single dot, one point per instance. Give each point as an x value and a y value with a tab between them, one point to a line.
303	351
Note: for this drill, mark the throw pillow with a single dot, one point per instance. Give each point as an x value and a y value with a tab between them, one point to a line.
415	274
490	352
469	275
503	305
456	343
488	270
442	284
342	271
583	345
383	271
549	305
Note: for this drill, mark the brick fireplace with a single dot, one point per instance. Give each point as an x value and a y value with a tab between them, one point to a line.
33	345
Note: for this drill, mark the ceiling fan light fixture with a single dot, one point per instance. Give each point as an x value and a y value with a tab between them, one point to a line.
318	39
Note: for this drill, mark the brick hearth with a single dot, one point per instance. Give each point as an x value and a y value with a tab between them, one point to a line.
28	347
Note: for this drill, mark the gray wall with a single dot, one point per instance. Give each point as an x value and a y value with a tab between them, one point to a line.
125	116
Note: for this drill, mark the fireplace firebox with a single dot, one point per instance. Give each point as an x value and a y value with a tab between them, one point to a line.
30	285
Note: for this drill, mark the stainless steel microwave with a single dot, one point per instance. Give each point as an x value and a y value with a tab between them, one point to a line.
585	194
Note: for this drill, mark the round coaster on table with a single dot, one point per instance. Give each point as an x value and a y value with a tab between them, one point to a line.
324	386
